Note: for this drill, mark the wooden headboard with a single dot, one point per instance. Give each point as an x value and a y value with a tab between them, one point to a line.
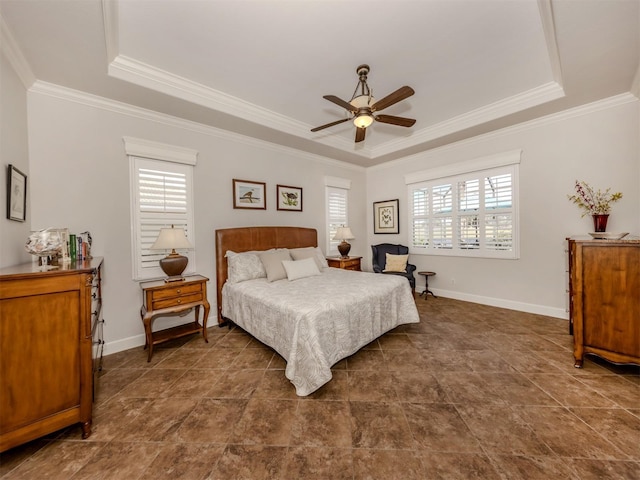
256	238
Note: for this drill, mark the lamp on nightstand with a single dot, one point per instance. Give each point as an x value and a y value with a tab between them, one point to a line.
174	263
344	234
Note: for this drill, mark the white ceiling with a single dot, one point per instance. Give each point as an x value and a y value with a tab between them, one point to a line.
261	67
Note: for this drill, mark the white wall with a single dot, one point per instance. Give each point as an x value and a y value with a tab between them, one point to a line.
597	143
14	151
80	180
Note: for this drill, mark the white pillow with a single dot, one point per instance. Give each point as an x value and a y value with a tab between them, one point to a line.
295	269
396	263
310	252
272	262
244	266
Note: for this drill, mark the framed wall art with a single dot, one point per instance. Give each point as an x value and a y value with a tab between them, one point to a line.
289	198
248	194
16	195
385	217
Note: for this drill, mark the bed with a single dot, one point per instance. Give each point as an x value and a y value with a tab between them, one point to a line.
314	320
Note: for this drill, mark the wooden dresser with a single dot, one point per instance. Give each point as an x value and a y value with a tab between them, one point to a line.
47	322
604	299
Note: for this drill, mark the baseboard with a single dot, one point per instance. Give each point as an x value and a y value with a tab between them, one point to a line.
124	344
502	303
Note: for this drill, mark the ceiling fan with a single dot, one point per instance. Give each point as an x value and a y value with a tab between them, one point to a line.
362	106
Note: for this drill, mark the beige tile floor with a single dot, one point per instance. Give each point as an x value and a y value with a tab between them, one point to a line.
472	392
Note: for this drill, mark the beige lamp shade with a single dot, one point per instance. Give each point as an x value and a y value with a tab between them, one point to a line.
174	263
344	234
170	239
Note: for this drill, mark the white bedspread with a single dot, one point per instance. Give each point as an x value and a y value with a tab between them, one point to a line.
314	322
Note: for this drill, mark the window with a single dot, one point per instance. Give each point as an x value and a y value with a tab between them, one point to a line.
337	198
161	196
466	214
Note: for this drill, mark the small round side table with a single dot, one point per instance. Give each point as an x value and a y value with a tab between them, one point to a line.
426	284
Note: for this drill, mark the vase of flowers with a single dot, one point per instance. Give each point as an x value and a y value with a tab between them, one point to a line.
595	203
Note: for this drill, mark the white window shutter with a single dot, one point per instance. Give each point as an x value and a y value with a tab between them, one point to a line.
337	208
468	214
162	193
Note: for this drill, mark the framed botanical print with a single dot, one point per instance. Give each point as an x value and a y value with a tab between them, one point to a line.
289	198
385	217
248	194
16	195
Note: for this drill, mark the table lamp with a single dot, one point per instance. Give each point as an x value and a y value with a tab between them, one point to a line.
344	234
174	263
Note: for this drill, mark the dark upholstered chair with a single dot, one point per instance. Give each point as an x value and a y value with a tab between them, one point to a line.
380	260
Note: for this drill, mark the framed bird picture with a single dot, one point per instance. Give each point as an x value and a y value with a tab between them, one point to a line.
289	198
248	194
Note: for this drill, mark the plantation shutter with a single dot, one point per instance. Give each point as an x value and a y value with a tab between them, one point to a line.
469	213
337	214
163	202
161	196
498	203
420	218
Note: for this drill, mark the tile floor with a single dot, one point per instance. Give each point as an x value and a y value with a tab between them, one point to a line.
472	392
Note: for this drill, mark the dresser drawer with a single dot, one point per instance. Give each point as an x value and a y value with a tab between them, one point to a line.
162	298
177	301
176	291
349	263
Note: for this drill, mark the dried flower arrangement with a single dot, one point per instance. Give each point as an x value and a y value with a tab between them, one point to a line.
593	202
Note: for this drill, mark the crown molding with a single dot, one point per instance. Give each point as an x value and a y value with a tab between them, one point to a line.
111	32
133	71
531	98
549	29
148	76
121	108
593	107
13	53
635	84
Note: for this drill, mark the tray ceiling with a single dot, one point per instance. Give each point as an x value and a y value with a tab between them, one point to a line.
261	67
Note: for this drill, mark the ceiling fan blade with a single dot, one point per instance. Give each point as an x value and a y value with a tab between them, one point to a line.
342	103
360	133
400	121
322	127
395	97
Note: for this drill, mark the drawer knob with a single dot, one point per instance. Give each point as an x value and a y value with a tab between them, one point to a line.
179	291
179	300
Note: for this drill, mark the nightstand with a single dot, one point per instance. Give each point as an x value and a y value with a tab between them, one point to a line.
349	263
169	298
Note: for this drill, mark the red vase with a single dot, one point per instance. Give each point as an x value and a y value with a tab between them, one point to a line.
600	223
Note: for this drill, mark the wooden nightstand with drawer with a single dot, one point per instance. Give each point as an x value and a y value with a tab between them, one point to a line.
169	298
349	263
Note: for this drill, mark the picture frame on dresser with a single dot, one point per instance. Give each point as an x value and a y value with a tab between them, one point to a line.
16	194
289	198
249	194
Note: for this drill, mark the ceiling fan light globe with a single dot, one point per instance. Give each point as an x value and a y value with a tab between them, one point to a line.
363	120
362	101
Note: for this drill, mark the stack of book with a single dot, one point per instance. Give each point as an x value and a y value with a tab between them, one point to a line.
80	246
